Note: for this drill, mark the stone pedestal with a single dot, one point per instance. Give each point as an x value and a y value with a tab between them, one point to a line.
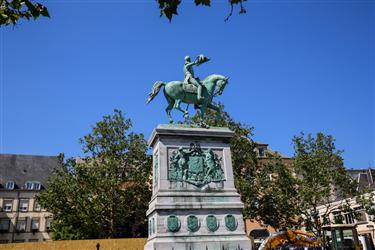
194	203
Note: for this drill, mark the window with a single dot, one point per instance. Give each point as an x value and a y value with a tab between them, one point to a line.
29	185
37	185
261	152
4	225
338	218
7	205
9	185
361	215
21	225
32	185
24	205
35	225
349	218
37	207
48	224
33	240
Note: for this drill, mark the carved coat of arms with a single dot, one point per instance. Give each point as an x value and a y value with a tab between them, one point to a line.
173	223
230	222
195	166
212	223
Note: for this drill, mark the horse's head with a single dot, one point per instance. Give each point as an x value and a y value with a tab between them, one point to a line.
221	85
215	84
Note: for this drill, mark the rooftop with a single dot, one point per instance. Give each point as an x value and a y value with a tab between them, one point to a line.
26	168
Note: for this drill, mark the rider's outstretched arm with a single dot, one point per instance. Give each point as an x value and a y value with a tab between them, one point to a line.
192	63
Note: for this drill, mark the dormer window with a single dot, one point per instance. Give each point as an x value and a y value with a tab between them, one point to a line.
261	152
29	185
32	185
9	185
37	185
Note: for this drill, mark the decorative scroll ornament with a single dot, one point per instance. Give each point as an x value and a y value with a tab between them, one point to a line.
173	224
192	223
211	222
195	166
230	222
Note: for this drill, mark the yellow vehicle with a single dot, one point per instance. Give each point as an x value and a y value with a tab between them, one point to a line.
341	237
290	237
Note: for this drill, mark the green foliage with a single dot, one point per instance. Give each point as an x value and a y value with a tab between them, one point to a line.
366	198
105	193
243	155
62	232
322	179
169	8
287	196
203	2
277	194
267	189
270	201
13	10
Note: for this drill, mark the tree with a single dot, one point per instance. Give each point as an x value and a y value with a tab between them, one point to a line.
13	10
103	194
366	198
287	196
169	8
277	194
322	179
269	201
243	155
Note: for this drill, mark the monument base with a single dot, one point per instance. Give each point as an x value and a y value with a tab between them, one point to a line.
195	205
217	242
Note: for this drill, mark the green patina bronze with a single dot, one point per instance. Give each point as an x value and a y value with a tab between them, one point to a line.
149	227
230	222
191	91
195	166
173	223
192	223
211	223
155	170
152	225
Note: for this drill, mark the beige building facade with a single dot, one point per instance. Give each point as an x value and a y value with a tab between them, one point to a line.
365	179
364	221
22	178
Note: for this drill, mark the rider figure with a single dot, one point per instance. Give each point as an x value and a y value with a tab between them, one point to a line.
189	74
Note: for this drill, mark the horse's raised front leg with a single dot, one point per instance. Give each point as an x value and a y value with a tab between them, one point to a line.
168	110
178	107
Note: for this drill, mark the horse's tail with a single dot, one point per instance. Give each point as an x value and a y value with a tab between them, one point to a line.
155	90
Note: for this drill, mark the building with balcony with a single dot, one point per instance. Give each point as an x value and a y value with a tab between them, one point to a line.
365	179
365	225
22	177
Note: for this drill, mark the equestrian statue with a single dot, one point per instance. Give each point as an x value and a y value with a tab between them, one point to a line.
191	91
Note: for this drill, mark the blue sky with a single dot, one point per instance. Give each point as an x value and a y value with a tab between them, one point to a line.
294	66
